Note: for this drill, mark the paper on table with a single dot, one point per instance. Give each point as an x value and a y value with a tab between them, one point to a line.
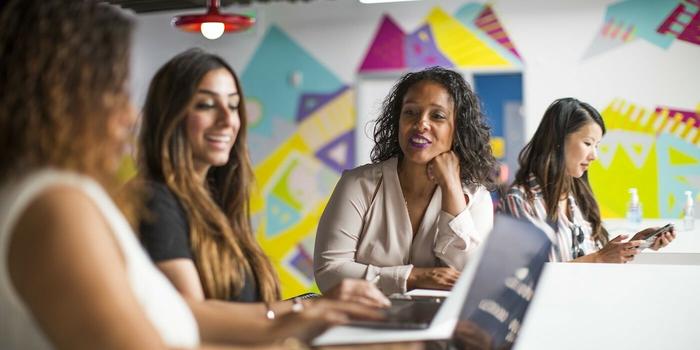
428	293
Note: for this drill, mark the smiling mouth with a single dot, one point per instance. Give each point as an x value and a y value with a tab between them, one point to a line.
418	141
218	138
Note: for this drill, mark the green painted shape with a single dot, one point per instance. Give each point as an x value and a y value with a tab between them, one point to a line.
683	180
281	190
610	186
677	157
638	148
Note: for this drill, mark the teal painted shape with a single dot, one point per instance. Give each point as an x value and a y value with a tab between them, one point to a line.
667	173
267	78
646	16
466	15
280	216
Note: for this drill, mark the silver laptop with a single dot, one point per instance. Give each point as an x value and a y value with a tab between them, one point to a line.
489	299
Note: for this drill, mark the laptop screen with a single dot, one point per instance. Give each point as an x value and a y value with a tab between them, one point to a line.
503	285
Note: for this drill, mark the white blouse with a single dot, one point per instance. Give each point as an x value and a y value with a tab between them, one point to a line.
365	231
162	304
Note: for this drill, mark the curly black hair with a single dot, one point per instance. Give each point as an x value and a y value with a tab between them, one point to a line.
472	132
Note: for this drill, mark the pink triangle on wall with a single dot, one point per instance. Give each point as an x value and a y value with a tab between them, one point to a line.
387	49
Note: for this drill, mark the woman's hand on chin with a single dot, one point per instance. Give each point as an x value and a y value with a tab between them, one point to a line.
444	170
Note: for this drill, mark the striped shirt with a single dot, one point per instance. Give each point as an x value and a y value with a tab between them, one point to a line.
562	233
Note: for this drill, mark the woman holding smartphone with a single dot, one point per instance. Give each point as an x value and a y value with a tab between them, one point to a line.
551	188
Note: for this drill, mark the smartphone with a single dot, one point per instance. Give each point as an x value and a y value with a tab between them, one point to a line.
650	238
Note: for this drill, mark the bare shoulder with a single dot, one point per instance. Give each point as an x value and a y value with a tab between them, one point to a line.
60	224
63	257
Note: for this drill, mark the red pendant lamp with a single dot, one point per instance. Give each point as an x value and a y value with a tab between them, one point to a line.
213	23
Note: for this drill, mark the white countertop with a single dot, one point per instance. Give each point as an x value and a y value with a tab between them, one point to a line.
611	306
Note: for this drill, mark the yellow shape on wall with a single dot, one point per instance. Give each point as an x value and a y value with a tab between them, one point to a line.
127	169
677	157
610	185
498	146
460	45
279	246
330	121
268	167
273	175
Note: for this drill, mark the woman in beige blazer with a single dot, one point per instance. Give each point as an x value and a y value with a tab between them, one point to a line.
412	217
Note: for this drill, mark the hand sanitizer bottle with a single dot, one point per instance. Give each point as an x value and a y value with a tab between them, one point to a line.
688	218
634	209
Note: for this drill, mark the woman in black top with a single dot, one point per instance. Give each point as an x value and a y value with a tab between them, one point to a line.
194	160
165	234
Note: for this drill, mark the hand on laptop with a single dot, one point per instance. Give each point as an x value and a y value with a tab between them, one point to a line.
319	315
432	278
359	291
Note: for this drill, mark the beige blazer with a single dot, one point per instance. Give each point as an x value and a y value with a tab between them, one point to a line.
365	231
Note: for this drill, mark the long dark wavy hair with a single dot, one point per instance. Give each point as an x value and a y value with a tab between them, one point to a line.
63	73
225	249
471	135
543	157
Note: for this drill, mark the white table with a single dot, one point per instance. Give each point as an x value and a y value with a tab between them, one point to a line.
610	306
685	249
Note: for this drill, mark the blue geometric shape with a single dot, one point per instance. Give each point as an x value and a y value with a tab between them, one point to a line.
646	16
312	102
494	91
303	263
260	146
668	173
325	154
267	78
280	216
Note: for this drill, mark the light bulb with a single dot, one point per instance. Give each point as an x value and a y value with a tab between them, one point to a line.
212	30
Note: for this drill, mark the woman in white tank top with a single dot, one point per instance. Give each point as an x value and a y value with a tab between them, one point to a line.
72	273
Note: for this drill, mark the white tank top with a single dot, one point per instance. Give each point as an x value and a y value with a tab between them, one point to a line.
162	304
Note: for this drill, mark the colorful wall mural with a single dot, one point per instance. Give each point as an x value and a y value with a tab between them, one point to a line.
659	22
302	121
472	38
655	149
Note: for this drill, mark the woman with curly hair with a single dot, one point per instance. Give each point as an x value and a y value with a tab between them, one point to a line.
410	219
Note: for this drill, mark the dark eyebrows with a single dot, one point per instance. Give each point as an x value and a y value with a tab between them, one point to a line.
433	105
209	92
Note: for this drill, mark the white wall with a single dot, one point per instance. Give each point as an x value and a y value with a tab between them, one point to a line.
551	36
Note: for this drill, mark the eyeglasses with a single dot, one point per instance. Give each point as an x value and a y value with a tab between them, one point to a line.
576	240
